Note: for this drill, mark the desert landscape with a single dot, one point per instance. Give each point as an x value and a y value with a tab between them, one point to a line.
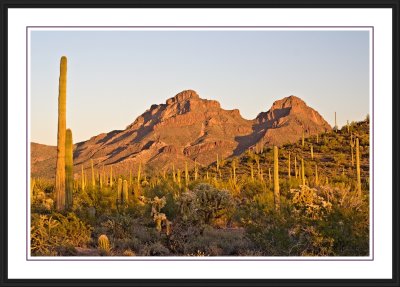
190	178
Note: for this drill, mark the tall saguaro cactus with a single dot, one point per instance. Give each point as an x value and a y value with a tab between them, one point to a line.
358	167
276	180
93	178
62	118
69	164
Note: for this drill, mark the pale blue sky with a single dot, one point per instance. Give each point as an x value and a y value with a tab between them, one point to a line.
114	76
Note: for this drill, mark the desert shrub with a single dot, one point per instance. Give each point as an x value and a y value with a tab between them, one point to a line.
56	233
154	249
205	204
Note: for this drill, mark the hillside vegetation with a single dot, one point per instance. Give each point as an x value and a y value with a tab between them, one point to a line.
314	205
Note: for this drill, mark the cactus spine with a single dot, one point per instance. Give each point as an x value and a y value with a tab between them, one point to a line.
276	180
62	118
358	167
69	164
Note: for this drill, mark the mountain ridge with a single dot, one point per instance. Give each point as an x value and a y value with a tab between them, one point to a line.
188	129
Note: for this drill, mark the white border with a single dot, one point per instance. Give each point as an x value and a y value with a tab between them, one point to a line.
379	18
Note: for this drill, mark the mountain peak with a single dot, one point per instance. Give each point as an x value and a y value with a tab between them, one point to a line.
183	96
288	102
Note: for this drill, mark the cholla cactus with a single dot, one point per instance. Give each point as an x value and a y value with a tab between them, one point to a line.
103	245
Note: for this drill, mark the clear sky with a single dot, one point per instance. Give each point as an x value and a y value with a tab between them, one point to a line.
114	76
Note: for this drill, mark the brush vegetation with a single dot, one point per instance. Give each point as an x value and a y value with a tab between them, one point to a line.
281	201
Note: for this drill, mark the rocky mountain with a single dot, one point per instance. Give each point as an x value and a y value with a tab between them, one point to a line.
188	128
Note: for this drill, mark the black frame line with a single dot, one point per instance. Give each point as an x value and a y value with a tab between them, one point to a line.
7	4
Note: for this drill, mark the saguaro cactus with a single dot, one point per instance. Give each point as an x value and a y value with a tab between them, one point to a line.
358	167
69	163
119	190
289	175
93	178
125	192
352	144
295	167
173	173
316	175
138	176
276	180
303	177
111	177
302	139
335	127
186	174
312	152
83	180
195	170
62	118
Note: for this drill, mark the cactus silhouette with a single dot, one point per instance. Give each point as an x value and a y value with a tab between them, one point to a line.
61	132
69	164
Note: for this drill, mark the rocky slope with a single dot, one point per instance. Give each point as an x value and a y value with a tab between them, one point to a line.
188	128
